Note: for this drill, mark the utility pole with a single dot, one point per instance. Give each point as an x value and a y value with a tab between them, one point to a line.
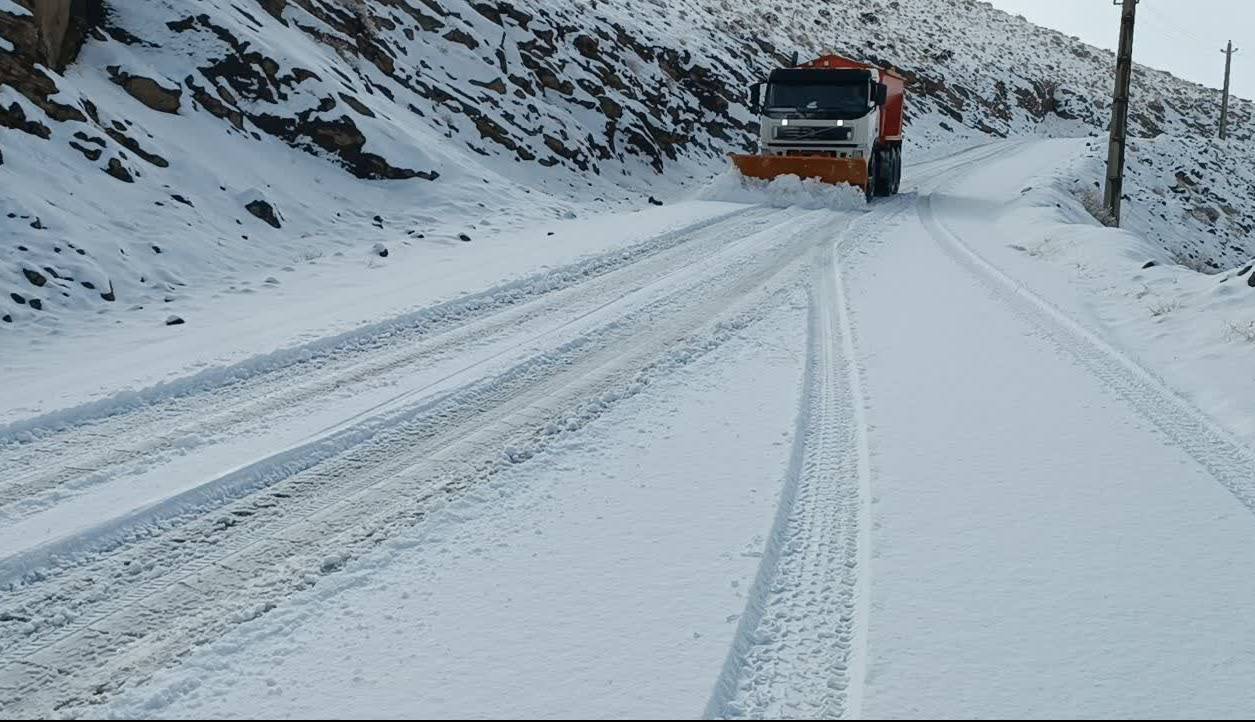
1224	100
1120	111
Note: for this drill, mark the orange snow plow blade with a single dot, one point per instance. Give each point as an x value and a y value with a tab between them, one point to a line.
826	169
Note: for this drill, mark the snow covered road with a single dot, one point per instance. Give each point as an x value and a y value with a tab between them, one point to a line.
773	462
1054	536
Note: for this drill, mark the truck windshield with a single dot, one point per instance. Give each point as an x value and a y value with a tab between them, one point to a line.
845	100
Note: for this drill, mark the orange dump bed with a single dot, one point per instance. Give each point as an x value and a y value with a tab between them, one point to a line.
891	114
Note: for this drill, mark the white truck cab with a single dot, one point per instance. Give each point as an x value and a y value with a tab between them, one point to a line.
807	111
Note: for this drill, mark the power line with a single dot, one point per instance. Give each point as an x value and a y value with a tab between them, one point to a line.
1180	32
1174	28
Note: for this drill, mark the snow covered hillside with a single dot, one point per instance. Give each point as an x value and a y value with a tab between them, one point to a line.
160	160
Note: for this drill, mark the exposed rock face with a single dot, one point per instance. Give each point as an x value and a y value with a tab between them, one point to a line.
274	7
148	91
264	211
63	26
116	169
50	35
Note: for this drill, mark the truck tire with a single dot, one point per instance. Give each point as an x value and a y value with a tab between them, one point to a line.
882	179
897	170
873	168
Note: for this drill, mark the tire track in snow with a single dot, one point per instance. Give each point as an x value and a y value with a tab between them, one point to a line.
799	648
466	397
90	454
1227	459
142	605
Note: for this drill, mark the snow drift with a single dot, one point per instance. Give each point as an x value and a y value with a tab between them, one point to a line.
787	191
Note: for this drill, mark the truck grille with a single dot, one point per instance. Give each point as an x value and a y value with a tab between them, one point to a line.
801	132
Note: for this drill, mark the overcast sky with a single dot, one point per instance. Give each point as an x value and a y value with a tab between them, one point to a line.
1184	38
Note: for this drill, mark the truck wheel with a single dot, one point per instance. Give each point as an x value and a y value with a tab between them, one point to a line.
883	178
897	170
873	169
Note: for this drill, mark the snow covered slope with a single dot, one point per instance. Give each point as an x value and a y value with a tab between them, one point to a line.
162	162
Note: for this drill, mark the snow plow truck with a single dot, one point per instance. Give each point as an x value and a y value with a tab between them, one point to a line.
834	119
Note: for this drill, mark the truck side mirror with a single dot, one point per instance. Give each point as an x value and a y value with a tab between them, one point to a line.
881	92
755	96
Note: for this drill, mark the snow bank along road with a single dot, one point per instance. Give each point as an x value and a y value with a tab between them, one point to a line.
986	509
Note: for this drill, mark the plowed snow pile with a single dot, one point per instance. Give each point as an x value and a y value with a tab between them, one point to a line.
788	191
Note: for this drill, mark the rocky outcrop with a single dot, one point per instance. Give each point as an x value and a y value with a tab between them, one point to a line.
148	91
263	211
62	27
50	35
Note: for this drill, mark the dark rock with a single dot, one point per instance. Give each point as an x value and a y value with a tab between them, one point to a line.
1150	264
148	91
91	154
109	295
18	298
35	277
264	211
609	108
1205	214
357	105
216	107
63	26
464	238
174	321
274	8
339	136
119	171
133	145
36	304
587	46
496	85
654	201
14	117
488	11
457	36
6	318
